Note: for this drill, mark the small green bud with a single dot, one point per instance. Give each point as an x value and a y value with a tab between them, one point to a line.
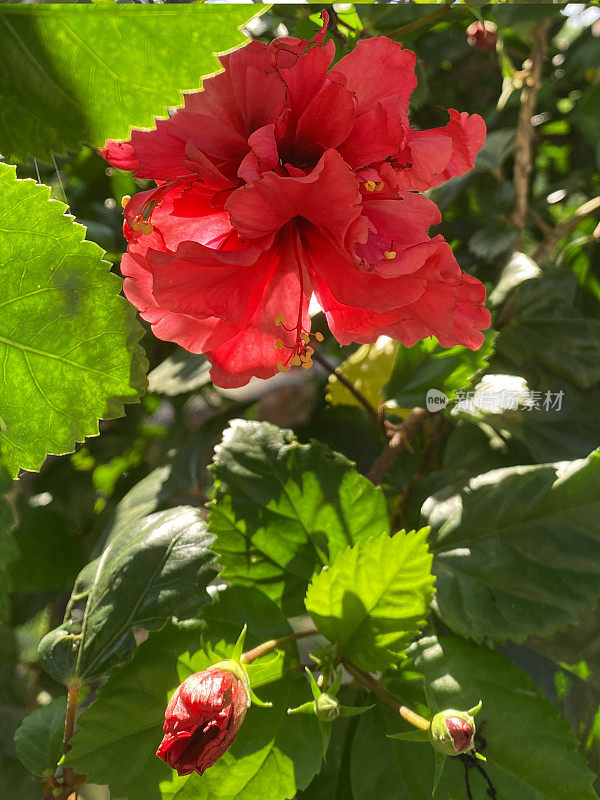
327	708
452	732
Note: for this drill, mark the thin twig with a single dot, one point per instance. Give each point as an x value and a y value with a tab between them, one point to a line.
348	385
427	19
373	685
265	647
554	235
397	443
524	135
72	700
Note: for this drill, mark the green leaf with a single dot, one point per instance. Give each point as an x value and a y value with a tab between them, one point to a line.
517	549
427	366
274	753
369	369
531	752
496	149
373	600
282	508
68	341
180	372
38	742
145	575
545	331
77	74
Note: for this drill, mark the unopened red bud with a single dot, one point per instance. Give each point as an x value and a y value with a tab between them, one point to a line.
482	35
203	717
453	732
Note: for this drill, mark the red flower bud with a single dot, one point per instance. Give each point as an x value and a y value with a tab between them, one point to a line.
482	36
461	733
203	717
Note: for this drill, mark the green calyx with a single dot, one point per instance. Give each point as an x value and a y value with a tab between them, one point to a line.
327	708
448	736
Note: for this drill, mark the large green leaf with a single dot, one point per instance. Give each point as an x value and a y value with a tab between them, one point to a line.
517	549
273	755
531	752
426	365
282	508
39	740
373	600
146	574
68	341
77	74
546	331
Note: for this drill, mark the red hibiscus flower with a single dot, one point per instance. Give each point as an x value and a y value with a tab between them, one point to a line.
282	179
203	718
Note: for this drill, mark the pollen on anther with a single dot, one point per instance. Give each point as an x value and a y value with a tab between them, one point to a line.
279	344
370	186
319	336
389	254
282	367
125	199
279	319
307	364
295	361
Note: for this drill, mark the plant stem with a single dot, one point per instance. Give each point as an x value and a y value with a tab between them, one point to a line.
554	235
72	699
524	136
369	682
397	443
427	19
249	656
349	385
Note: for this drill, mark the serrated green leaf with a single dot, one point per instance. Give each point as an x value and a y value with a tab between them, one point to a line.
76	74
145	575
282	509
531	752
274	753
427	366
517	549
38	742
373	600
369	369
68	341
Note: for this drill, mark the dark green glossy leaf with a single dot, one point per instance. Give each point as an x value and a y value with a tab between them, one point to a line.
517	549
39	740
146	574
282	509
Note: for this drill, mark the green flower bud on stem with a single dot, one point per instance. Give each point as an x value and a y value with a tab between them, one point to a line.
327	708
453	732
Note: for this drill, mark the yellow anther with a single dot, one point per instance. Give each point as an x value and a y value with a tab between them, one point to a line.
146	228
125	199
279	344
282	367
389	254
319	336
370	186
307	364
305	338
295	361
279	319
379	186
309	351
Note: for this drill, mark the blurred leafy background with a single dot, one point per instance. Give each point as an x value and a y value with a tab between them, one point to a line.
543	280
